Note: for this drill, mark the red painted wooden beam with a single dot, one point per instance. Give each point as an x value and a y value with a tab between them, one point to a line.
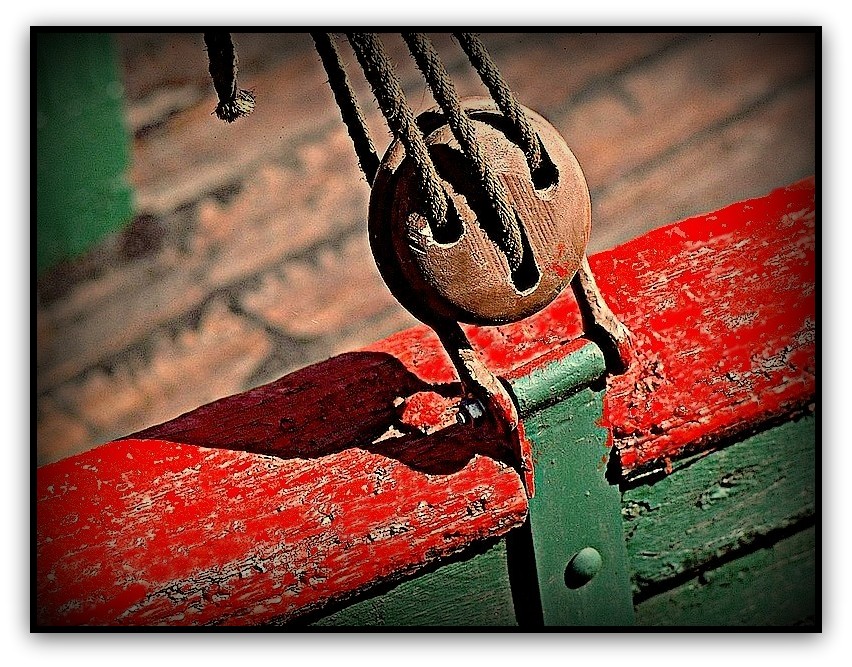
351	472
722	308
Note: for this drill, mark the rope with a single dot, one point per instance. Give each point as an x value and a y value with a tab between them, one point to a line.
507	235
400	118
348	104
233	102
502	95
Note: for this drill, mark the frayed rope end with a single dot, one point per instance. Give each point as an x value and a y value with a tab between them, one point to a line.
241	105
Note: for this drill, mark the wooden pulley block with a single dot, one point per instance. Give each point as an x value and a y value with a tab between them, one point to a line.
459	271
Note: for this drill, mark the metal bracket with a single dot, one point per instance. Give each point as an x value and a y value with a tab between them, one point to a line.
575	529
490	396
577	537
484	387
599	322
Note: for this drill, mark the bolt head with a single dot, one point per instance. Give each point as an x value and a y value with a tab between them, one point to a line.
582	567
469	410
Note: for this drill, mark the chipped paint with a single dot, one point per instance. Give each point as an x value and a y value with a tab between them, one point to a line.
289	496
736	351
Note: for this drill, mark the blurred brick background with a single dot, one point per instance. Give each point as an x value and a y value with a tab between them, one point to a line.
248	257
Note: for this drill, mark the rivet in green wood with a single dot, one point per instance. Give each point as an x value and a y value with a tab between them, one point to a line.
582	567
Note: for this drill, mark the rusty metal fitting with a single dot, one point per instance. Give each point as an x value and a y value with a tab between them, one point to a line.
469	410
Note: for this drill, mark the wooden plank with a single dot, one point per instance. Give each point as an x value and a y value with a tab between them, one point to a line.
713	506
716	512
719	507
774	586
724	324
472	592
151	532
372	479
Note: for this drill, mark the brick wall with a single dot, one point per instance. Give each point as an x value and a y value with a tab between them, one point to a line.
248	257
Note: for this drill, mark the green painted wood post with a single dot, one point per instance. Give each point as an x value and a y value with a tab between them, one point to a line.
82	146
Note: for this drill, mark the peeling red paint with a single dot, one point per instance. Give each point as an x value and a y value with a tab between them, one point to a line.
722	310
428	411
724	325
192	535
346	473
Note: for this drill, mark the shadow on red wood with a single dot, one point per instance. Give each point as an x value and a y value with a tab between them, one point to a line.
368	400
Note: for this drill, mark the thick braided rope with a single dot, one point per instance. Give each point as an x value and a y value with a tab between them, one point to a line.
388	91
233	102
507	236
503	96
350	110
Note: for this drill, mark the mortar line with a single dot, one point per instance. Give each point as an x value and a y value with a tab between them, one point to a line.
175	323
756	105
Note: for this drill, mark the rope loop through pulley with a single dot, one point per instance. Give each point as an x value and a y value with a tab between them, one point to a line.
502	227
379	71
479	212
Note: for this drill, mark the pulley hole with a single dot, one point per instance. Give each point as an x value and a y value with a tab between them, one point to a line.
546	175
452	229
526	277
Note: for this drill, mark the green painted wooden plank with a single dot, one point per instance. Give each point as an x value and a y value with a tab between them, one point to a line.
82	146
775	586
576	508
714	505
473	591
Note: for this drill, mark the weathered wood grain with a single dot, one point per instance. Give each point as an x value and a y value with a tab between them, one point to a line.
724	323
710	540
774	586
471	592
716	505
145	532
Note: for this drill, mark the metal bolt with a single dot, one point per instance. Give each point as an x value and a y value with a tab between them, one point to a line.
469	410
582	567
